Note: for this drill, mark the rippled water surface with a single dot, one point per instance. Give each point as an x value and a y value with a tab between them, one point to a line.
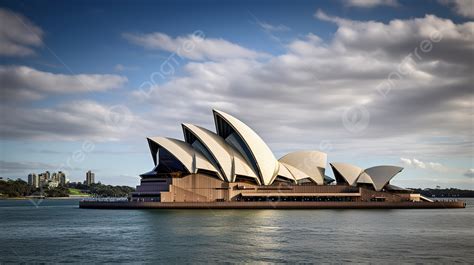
58	231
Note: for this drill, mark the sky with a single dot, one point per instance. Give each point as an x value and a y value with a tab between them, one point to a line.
369	82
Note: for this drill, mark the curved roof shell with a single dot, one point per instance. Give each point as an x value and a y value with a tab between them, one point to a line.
378	176
312	163
284	172
297	174
381	175
348	172
215	145
241	167
260	156
364	178
230	161
182	151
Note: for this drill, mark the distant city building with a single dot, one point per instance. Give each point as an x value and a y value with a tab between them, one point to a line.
33	180
46	179
62	178
54	177
90	178
42	178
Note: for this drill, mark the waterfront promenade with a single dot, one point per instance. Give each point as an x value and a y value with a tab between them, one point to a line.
269	205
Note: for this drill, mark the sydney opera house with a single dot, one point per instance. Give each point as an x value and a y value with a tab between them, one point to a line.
234	164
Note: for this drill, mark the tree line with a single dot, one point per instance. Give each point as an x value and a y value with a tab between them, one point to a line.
20	188
450	193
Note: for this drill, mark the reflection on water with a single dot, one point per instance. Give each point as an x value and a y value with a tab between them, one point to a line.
57	231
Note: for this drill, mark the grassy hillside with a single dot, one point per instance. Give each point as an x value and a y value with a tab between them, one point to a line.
76	192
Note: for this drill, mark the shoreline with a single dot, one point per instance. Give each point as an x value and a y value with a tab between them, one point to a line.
46	198
271	205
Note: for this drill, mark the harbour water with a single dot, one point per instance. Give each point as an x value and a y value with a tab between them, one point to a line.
57	231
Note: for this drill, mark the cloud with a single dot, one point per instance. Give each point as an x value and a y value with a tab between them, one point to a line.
9	167
123	68
13	169
400	37
371	3
272	31
406	161
71	121
469	173
433	167
298	98
463	8
193	46
321	15
418	163
18	35
437	166
270	27
25	83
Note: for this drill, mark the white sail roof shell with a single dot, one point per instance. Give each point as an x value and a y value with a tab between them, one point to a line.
284	172
229	159
185	153
312	163
381	175
241	167
349	172
267	165
378	176
365	179
297	174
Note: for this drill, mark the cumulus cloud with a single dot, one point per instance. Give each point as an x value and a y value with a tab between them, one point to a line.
469	173
399	38
193	46
406	161
434	167
26	83
463	8
371	3
420	164
18	35
298	98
